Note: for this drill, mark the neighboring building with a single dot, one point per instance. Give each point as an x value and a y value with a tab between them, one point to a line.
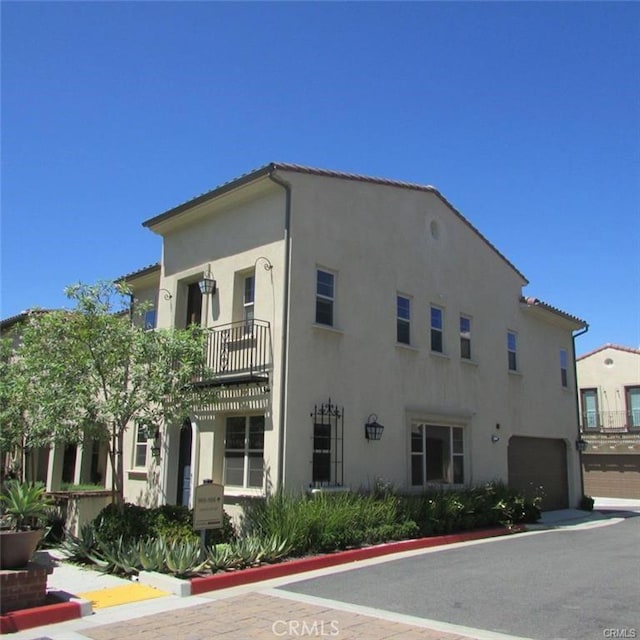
343	304
609	388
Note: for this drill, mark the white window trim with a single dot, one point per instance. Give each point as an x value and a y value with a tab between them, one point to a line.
413	421
137	443
320	296
408	322
441	330
246	457
514	351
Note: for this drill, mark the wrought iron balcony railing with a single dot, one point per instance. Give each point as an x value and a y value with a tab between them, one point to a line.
239	352
610	421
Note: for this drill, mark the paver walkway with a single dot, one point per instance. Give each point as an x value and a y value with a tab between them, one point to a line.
257	616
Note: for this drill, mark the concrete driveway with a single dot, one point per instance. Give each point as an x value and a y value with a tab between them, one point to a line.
577	582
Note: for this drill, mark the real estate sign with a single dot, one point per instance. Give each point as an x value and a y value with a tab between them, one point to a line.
207	506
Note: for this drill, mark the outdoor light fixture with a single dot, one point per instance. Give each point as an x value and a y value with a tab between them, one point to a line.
167	294
156	448
372	429
207	284
495	438
581	445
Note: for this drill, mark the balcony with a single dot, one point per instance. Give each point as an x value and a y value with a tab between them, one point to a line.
610	422
239	353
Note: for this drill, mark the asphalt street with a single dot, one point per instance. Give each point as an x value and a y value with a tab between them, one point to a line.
575	583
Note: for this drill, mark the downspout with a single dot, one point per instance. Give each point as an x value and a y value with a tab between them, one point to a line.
577	400
285	325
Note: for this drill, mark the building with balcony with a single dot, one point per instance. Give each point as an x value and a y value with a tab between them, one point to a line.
609	391
358	329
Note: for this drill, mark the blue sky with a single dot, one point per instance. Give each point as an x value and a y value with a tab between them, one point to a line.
526	116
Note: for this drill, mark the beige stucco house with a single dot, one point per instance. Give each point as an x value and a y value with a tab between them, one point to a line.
360	330
343	304
609	391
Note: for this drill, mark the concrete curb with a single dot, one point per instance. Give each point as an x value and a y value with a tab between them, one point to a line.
291	567
24	619
163	582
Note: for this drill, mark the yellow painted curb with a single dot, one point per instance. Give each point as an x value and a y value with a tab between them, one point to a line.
124	594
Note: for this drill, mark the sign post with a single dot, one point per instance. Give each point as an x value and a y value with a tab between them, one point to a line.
208	503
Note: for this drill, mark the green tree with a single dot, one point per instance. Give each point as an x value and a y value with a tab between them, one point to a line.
91	372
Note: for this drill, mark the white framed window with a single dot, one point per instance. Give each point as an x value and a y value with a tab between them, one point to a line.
403	319
244	451
325	297
248	299
437	454
150	319
564	363
437	329
590	409
141	448
465	337
512	351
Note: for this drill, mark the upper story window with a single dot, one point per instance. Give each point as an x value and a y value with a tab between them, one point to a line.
150	319
512	351
437	330
564	363
403	319
248	298
325	297
465	337
632	395
589	403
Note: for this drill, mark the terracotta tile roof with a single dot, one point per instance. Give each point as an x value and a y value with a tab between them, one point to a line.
536	302
609	345
140	272
272	167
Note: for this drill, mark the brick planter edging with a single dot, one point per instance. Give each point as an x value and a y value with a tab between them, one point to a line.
38	616
291	567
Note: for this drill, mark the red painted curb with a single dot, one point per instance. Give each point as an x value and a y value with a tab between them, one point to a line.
38	616
269	571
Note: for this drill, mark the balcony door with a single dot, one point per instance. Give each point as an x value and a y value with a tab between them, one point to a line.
194	304
589	401
633	407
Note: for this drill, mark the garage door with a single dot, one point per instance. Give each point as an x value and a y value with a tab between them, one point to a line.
540	462
612	476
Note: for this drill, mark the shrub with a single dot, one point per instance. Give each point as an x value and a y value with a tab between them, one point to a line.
586	503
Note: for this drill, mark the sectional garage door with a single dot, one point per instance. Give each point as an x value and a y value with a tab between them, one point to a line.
612	476
540	462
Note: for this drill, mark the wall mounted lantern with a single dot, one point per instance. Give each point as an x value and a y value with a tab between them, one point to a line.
207	284
581	445
372	428
156	447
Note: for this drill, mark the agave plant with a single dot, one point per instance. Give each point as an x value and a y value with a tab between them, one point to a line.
184	558
120	557
220	557
26	505
152	554
84	547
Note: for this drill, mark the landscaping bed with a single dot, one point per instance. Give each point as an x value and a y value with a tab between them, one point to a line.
288	527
